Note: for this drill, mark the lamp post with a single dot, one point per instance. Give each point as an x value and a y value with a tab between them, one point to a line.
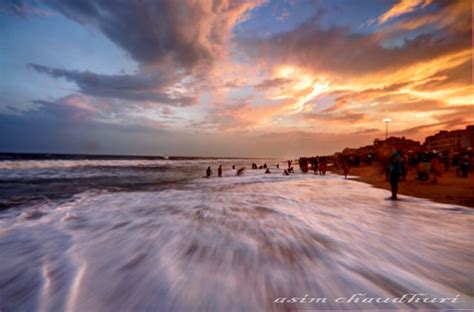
387	121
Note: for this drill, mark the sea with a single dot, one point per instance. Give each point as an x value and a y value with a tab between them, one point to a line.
118	233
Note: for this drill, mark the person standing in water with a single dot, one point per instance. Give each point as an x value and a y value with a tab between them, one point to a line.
208	172
394	173
219	171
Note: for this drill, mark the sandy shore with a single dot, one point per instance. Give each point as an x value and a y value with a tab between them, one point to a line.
449	189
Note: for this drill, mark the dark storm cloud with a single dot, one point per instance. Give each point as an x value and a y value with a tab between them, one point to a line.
139	87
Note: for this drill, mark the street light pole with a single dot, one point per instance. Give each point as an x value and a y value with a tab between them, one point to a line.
386	121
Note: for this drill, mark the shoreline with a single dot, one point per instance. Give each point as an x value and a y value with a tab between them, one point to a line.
450	189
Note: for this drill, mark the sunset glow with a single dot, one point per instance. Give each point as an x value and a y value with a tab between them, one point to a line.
232	75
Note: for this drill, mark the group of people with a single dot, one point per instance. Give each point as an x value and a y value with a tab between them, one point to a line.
435	163
316	164
241	170
426	164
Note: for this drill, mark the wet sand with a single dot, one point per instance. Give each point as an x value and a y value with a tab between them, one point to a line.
450	189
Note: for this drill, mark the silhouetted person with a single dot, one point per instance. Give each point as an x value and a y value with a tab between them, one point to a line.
464	166
423	168
289	164
219	171
303	162
436	168
323	166
315	165
264	166
208	172
267	171
240	171
278	166
394	173
285	172
345	168
233	167
291	170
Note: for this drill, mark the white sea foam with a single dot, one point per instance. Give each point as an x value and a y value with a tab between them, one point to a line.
234	244
47	164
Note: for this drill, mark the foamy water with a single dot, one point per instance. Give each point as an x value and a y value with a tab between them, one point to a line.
230	244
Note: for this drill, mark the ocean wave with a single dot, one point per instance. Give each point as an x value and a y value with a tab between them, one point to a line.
233	244
64	164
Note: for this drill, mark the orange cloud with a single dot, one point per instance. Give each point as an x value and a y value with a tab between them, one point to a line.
401	8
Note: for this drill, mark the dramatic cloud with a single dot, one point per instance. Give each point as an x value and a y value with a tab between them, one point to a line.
272	83
339	50
265	76
401	8
141	87
188	32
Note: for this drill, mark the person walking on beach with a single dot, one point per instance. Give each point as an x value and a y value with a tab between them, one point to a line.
394	173
208	172
219	171
345	168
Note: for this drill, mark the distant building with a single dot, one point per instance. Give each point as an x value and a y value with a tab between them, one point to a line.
383	148
451	141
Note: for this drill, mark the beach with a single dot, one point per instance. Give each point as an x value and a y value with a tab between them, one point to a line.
449	189
155	235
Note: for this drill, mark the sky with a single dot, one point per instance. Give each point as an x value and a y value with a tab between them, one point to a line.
282	78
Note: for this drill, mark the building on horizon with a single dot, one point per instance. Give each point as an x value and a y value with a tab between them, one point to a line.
451	141
384	147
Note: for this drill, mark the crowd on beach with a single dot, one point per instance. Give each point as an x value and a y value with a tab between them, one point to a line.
429	166
317	164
